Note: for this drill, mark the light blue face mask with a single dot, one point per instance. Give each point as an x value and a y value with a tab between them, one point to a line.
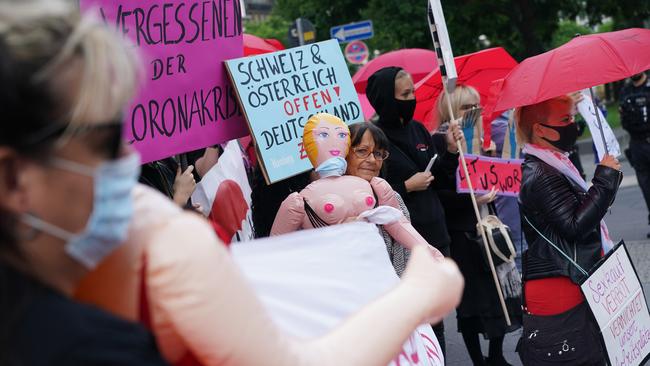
112	211
332	167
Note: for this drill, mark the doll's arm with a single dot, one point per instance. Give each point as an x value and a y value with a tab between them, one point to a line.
290	215
402	230
194	284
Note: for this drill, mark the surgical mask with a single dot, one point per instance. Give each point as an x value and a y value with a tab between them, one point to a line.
332	167
568	136
109	220
405	109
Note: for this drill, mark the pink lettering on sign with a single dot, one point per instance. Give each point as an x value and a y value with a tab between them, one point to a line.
185	101
486	173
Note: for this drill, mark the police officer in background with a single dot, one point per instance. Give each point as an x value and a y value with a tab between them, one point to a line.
634	106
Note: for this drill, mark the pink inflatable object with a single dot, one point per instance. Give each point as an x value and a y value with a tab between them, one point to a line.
335	199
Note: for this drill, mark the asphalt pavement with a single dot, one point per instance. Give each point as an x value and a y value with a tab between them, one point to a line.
627	219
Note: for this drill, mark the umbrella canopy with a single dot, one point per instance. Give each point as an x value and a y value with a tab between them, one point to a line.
583	62
478	69
416	61
254	45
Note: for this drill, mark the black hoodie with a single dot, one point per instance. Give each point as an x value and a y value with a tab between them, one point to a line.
412	146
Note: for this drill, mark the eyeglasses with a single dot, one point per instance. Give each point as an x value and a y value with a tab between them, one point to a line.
364	152
108	143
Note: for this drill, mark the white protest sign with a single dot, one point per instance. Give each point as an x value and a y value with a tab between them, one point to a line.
311	280
586	110
616	299
225	194
442	45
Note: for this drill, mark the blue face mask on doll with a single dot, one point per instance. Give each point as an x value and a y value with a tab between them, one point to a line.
109	220
332	167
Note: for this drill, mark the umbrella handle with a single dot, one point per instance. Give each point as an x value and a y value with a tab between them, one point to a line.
600	123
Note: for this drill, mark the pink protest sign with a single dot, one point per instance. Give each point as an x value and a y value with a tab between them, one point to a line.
487	173
185	100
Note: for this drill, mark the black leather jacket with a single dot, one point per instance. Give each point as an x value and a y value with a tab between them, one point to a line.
566	214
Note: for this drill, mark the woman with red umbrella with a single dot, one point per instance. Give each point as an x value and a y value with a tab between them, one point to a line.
563	223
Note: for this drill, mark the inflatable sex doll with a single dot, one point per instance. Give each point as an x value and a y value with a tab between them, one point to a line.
336	198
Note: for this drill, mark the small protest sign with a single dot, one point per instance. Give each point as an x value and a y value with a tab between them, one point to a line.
487	173
302	278
279	91
588	112
615	296
185	100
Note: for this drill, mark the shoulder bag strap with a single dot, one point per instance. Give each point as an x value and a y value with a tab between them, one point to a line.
567	257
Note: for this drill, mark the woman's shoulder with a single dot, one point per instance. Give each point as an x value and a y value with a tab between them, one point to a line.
71	333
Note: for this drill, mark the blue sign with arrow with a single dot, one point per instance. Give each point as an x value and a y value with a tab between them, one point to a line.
353	31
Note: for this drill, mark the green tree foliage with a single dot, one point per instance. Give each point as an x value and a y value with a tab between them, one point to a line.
624	13
324	14
566	30
398	24
273	27
524	27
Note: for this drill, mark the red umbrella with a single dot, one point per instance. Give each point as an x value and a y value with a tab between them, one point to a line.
254	45
581	63
416	61
476	69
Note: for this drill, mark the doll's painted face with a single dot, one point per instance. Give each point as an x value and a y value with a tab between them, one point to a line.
325	137
331	139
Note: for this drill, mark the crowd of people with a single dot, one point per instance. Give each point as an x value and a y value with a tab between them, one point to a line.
76	228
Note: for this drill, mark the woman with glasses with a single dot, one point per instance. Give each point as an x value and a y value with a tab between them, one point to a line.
480	310
369	149
392	94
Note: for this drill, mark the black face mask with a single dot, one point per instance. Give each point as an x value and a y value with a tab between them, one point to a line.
568	136
636	78
405	109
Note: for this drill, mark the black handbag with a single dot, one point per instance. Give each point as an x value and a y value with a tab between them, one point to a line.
498	236
568	338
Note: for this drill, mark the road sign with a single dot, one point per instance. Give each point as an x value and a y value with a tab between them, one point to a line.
356	52
301	26
353	31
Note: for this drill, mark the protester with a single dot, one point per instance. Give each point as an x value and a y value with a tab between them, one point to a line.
65	179
266	199
634	106
562	220
167	177
507	208
391	93
480	310
369	149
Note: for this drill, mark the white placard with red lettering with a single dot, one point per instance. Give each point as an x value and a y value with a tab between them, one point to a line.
616	298
311	280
